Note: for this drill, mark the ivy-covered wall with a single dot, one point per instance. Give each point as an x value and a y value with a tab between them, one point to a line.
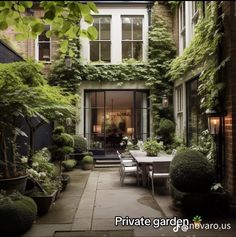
154	72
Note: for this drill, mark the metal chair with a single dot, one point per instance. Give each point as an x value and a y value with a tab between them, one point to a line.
159	170
127	167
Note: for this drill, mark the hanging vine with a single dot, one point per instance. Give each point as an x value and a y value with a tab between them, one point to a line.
201	54
153	73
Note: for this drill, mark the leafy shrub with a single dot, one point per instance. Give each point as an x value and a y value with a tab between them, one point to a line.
62	144
68	165
80	143
152	147
17	214
87	160
190	171
166	131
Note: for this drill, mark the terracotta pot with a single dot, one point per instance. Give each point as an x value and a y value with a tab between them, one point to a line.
11	184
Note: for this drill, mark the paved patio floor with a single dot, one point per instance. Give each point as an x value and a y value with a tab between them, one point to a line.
94	199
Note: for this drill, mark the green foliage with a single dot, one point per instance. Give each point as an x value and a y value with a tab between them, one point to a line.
201	53
190	171
206	146
62	144
152	147
87	160
153	73
68	165
17	214
166	131
15	14
80	144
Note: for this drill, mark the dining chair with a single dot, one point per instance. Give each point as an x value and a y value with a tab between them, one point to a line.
127	167
159	170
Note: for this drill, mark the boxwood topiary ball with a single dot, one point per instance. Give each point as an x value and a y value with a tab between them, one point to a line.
16	215
190	171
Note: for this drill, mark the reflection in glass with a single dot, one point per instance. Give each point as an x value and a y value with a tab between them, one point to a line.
105	28
44	51
105	51
126	28
126	50
137	50
94	51
137	28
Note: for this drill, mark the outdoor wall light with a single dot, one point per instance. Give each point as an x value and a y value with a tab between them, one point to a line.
68	61
97	128
214	121
165	101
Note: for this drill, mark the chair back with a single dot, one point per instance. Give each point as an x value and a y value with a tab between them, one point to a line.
119	155
161	167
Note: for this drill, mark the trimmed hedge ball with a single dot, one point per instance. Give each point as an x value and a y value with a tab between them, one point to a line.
190	171
17	214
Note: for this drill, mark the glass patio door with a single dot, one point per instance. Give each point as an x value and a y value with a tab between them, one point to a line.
110	115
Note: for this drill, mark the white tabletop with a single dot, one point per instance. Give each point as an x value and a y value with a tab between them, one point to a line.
141	157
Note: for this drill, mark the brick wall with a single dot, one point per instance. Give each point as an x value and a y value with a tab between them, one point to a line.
229	75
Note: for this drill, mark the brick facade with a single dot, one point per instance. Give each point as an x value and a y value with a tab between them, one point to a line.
229	49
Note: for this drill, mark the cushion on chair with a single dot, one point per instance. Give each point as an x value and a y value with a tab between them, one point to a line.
130	169
158	175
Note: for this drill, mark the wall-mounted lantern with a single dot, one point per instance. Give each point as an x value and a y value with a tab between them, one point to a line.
165	101
214	121
68	61
216	128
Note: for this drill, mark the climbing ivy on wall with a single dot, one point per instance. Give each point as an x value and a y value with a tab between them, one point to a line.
201	54
153	73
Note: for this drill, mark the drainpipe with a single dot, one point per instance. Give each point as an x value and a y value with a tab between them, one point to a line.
149	10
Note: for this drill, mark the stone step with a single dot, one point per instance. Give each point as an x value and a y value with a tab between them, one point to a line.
106	165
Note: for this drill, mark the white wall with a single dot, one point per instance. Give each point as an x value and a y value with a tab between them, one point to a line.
116	11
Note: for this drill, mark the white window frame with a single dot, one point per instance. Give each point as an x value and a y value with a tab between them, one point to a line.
179	98
37	49
194	14
132	40
182	26
99	39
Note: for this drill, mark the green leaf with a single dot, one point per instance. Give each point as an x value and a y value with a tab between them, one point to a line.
92	32
93	7
49	15
64	46
20	37
3	25
38	28
88	19
71	53
26	4
85	10
21	8
49	34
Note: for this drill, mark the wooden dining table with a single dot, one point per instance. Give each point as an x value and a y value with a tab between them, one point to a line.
145	161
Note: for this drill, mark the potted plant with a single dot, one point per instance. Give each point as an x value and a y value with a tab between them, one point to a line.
69	164
17	214
152	147
87	163
47	183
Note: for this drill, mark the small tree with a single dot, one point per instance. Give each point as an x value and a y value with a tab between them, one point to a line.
62	144
24	93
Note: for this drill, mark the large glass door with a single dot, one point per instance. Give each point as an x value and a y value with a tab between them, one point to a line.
110	115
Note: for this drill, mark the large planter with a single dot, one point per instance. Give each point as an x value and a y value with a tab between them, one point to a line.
11	184
88	166
44	201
